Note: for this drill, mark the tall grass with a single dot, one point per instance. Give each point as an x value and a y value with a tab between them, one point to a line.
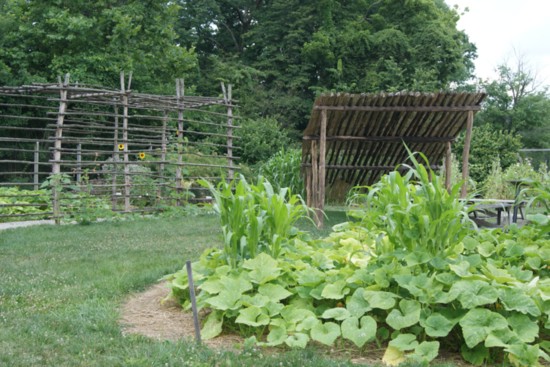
254	217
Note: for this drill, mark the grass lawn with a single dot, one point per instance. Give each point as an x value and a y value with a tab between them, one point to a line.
61	288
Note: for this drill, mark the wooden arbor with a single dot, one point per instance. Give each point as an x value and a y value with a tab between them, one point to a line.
354	139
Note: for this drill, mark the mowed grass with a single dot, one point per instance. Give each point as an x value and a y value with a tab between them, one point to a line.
61	288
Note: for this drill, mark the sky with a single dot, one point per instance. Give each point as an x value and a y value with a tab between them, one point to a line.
503	28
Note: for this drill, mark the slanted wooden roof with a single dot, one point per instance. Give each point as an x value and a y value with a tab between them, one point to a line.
365	132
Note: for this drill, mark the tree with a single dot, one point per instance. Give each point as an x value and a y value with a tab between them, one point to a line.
92	40
517	103
293	49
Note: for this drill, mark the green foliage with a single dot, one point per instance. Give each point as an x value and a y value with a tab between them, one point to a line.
255	218
34	204
484	291
260	139
488	145
416	211
284	170
283	52
502	185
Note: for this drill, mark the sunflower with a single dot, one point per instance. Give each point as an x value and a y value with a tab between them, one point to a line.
121	147
141	155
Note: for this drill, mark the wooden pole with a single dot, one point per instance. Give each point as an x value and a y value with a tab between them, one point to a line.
78	163
466	154
180	93
448	167
56	166
315	180
193	301
36	164
162	156
116	158
227	99
322	169
127	180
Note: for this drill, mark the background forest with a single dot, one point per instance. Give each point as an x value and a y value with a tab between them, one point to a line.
279	54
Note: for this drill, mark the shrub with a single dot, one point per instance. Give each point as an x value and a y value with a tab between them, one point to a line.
260	139
284	170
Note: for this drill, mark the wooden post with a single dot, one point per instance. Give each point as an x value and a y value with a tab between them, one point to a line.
78	163
322	169
448	167
162	157
315	180
466	154
36	164
127	181
56	164
116	157
180	93
227	99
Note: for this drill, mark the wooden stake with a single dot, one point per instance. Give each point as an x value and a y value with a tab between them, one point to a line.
115	161
78	163
448	167
193	301
36	164
466	154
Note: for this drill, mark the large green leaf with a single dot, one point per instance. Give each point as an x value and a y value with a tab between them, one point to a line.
297	340
356	304
514	299
526	329
359	335
379	299
437	325
426	351
473	293
404	342
310	277
225	300
478	323
263	268
325	333
336	290
277	336
337	313
213	325
275	292
476	356
407	315
294	314
252	316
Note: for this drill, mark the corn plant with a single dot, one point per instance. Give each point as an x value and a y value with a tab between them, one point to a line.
414	210
254	217
283	170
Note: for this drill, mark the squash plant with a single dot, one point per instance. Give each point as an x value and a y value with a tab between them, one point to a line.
414	285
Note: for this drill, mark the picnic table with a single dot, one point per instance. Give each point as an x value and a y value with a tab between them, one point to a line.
492	208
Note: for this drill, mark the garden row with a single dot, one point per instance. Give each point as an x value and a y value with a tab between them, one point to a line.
409	271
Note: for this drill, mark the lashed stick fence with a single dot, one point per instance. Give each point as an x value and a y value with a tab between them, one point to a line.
97	147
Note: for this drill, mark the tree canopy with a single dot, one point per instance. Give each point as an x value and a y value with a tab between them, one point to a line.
281	52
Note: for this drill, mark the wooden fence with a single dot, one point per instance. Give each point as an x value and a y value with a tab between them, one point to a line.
69	149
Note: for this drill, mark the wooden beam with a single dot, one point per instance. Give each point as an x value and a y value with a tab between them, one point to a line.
466	154
322	169
400	108
385	139
372	168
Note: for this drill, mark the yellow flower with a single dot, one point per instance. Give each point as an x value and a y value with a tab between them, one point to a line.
141	155
121	147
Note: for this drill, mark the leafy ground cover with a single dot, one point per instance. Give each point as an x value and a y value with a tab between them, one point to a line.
411	273
61	288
